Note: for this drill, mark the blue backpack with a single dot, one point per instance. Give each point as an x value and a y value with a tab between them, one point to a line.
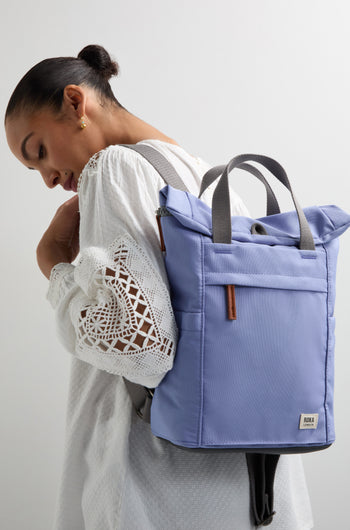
254	305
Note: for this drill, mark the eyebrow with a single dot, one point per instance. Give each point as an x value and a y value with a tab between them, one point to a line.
23	146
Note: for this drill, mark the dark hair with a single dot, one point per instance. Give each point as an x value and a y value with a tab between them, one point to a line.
44	83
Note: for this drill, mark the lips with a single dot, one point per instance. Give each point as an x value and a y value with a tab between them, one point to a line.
74	185
70	184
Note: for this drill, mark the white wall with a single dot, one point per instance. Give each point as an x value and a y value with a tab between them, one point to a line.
222	78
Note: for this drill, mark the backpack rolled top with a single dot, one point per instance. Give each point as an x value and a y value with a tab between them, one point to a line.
254	304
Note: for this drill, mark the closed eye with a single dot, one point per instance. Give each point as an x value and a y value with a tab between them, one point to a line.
41	152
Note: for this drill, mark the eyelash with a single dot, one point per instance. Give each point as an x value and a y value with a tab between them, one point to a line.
41	152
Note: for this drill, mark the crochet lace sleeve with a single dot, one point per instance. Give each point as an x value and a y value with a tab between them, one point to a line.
112	307
117	311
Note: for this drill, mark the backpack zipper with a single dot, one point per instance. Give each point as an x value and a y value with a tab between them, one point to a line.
162	211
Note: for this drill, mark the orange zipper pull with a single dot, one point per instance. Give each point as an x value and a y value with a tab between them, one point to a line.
162	245
231	302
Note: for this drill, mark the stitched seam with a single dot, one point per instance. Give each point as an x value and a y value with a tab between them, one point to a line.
328	218
202	344
327	351
268	275
189	202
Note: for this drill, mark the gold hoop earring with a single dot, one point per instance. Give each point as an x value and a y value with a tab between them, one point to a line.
82	124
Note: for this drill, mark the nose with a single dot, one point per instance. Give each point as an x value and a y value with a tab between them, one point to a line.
51	178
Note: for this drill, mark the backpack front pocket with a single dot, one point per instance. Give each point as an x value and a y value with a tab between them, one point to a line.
265	371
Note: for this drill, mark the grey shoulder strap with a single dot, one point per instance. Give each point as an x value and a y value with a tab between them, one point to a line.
141	397
161	164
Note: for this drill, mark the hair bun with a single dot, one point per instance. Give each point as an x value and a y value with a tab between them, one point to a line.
99	59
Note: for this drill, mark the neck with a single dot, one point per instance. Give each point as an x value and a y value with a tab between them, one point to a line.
122	127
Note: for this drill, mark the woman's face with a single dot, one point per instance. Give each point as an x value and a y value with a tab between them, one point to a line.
57	148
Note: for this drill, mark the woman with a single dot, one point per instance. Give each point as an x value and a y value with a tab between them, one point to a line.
64	121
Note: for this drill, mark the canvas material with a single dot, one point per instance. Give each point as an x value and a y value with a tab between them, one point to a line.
245	383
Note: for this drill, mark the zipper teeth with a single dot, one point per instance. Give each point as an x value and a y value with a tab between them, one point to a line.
162	211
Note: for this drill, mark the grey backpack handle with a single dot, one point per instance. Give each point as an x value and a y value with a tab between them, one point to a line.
272	206
221	213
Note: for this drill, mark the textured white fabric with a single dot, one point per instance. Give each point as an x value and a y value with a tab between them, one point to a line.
114	316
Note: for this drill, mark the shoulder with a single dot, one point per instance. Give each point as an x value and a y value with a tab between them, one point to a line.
119	166
124	168
120	154
117	155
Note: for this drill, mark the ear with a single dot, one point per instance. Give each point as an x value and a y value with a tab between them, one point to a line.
74	101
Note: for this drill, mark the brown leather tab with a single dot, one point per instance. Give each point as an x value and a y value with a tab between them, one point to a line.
231	302
162	245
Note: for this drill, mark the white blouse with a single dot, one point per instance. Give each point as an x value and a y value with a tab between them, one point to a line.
114	316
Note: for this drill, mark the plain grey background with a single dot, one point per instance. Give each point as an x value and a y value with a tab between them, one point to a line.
221	78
